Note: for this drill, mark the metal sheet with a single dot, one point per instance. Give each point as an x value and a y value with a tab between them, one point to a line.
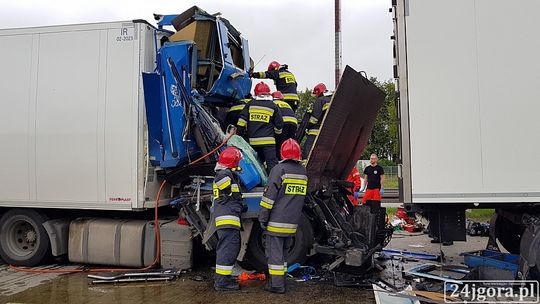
345	129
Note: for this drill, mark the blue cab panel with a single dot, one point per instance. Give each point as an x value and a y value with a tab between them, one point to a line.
153	102
233	82
167	96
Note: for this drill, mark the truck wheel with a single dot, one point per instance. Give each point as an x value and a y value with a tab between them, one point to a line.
509	234
23	240
303	241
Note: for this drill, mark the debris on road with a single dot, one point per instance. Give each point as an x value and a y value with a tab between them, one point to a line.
410	254
453	274
245	276
477	228
131	277
492	265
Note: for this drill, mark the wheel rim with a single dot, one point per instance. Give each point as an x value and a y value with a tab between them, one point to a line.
22	238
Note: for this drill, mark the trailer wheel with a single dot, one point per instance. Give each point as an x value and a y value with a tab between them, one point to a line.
509	234
303	241
23	240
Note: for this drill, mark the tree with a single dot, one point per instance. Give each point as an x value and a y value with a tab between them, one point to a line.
306	102
384	137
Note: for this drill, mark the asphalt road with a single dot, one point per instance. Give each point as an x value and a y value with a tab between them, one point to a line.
18	287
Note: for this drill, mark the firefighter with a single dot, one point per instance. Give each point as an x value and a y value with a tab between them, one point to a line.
281	210
354	178
284	80
227	208
235	110
290	123
260	121
317	113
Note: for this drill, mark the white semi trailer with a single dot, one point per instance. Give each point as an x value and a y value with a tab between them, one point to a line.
468	79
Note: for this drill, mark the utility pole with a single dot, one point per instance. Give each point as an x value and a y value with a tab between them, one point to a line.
337	17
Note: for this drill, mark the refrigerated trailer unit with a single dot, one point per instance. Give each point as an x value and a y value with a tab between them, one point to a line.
467	74
72	119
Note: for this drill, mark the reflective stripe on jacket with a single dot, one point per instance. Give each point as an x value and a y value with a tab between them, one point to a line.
285	82
260	121
286	112
320	105
227	198
283	199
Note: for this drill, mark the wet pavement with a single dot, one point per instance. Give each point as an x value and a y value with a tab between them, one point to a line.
76	288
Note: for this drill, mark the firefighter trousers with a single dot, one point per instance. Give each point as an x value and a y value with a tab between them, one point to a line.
276	251
308	144
267	154
227	250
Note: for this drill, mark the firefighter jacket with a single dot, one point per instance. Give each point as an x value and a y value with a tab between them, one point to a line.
227	198
287	113
321	104
283	199
285	83
235	110
259	121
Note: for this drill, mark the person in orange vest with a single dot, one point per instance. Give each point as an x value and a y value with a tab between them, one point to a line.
354	177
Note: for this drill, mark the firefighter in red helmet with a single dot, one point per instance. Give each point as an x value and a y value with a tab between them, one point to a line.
281	210
290	123
260	121
316	115
228	205
284	80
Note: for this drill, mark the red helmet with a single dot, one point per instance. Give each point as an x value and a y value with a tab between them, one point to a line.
290	149
262	88
274	65
230	157
277	95
319	89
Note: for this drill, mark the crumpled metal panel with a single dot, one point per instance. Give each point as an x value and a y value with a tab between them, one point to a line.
345	130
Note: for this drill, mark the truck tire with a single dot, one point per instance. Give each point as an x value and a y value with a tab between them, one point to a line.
303	241
508	234
23	240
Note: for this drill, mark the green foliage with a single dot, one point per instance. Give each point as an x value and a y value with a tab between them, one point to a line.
480	215
385	162
384	137
306	102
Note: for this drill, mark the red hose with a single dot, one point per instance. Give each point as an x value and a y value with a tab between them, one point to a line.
157	259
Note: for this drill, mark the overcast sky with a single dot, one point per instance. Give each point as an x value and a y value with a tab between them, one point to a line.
299	33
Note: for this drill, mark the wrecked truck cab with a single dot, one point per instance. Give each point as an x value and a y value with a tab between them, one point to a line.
204	66
205	63
222	63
